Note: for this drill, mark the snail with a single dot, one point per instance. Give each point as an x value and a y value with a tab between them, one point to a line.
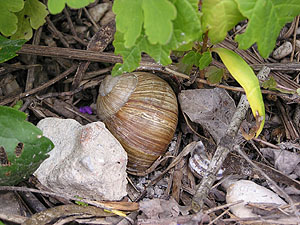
140	110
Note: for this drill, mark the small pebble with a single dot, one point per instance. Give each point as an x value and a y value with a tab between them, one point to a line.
297	45
109	16
98	11
283	50
81	29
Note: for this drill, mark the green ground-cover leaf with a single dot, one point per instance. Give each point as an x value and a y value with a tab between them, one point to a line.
204	60
266	18
187	27
22	146
214	74
191	58
130	45
219	16
158	16
132	56
8	48
129	19
31	16
56	6
194	4
8	20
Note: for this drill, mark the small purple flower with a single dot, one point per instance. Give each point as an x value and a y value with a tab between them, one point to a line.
86	109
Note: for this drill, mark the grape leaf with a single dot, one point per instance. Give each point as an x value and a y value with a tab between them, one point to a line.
8	48
219	16
129	19
266	18
158	15
204	60
22	146
56	6
31	16
8	20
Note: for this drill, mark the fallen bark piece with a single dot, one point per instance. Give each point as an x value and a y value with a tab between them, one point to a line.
87	161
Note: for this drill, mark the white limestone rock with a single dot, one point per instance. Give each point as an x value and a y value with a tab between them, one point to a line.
249	192
87	161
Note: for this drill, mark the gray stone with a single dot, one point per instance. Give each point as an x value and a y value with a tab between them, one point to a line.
87	161
282	51
98	11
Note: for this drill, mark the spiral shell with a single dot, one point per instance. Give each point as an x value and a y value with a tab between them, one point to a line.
140	110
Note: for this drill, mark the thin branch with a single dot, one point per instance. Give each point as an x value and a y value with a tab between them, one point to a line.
220	155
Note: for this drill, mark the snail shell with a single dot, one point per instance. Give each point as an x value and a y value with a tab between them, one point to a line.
140	110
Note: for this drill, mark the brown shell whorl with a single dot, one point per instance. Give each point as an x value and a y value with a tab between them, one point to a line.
144	118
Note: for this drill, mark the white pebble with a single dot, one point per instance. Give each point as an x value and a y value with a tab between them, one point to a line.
249	192
283	50
98	11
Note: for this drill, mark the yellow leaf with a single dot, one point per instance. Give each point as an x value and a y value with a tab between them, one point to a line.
245	76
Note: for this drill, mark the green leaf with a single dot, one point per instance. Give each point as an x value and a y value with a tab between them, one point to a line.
129	19
8	48
132	56
56	6
130	45
194	4
36	11
77	4
187	27
18	105
31	16
24	30
185	65
185	47
8	20
266	18
22	146
219	16
204	60
269	84
214	74
158	15
191	58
